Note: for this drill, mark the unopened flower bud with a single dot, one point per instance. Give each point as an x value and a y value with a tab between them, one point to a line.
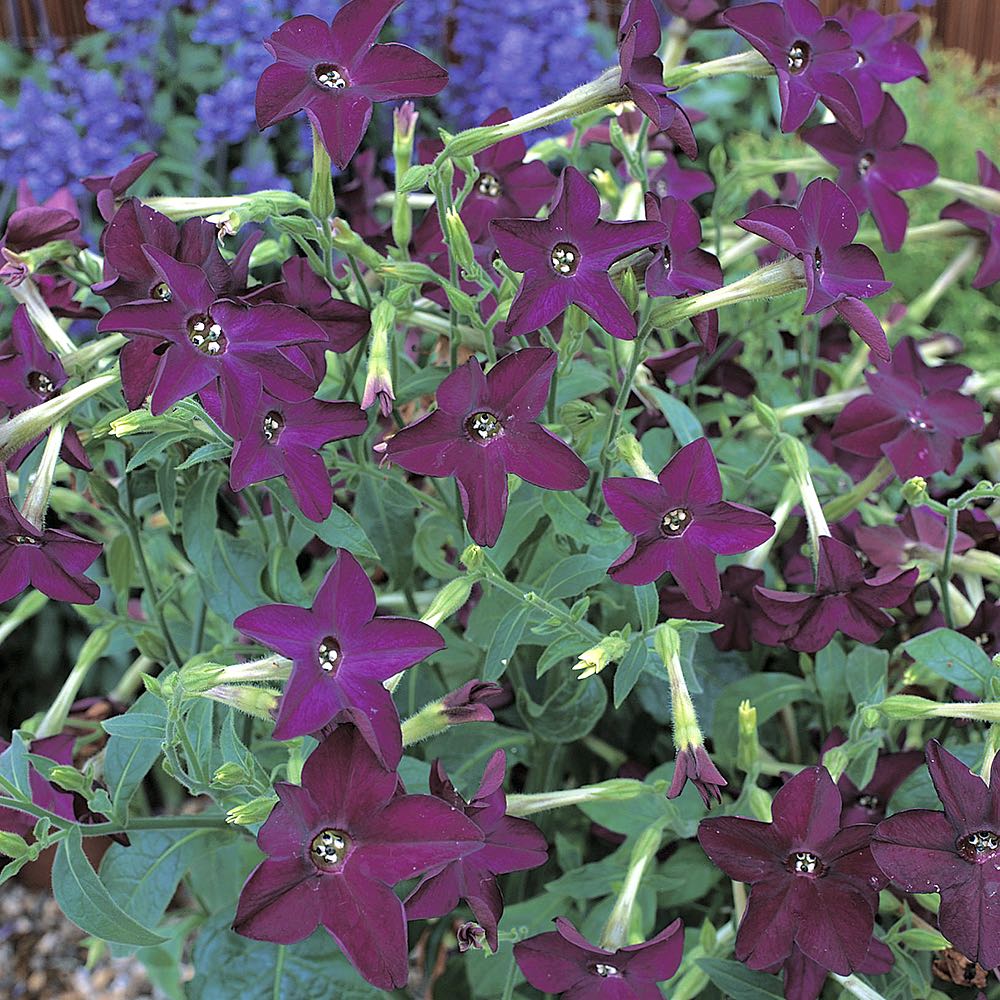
609	650
70	779
871	717
14	268
254	811
580	417
760	804
230	776
473	702
409	271
907	706
378	383
261	703
667	643
629	287
915	491
630	451
766	415
449	599
196	678
347	241
470	935
473	558
404	124
835	761
458	240
748	748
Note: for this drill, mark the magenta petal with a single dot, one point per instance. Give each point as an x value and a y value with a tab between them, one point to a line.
310	701
282	90
691	477
285	628
600	300
963	794
550	963
392	71
638	504
356	26
341	119
537	304
518	384
970	917
345	778
916	849
278	902
482	483
840	940
743	848
345	601
387	646
430	446
865	324
806	810
539	457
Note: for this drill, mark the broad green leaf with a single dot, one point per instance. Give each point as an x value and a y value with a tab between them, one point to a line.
734	979
647	600
387	511
504	642
137	726
569	712
867	673
339	530
831	681
127	759
628	672
198	520
83	898
683	422
954	657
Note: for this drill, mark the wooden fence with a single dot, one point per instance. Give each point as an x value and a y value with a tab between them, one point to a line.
973	25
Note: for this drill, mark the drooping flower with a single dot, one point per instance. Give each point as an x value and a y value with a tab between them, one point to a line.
679	266
737	612
838	273
563	961
882	54
341	653
844	601
486	426
875	168
336	73
813	883
987	223
955	853
642	73
34	225
274	437
474	701
681	523
209	338
908	417
693	764
811	56
110	189
49	559
509	845
335	846
919	533
565	260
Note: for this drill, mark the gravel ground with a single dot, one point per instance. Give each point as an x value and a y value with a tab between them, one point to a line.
42	956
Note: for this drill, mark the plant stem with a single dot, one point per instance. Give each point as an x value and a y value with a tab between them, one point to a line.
920	308
841	506
949	552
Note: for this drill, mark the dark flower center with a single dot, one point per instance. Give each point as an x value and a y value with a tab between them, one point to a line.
798	56
919	420
818	259
603	970
331	76
805	863
483	426
489	186
666	257
984	639
206	335
328	849
329	655
22	540
161	291
40	384
979	846
675	522
565	259
867	801
865	164
273	425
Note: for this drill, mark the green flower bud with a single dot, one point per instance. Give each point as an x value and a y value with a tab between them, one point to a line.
254	811
196	678
766	415
473	558
347	241
378	381
748	748
581	419
408	271
458	240
871	717
230	776
667	643
609	650
836	760
629	288
70	779
261	703
630	451
415	178
452	596
907	706
915	491
760	804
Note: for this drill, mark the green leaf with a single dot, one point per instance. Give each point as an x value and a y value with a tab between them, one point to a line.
831	681
339	530
683	422
867	672
206	453
166	484
14	764
127	759
198	520
137	726
628	672
153	446
120	565
574	575
734	979
569	712
504	642
83	898
647	600
387	511
954	657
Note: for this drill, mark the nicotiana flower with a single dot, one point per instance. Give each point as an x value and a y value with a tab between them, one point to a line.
34	225
679	265
987	223
882	55
474	701
565	260
838	273
811	56
919	533
955	853
805	979
693	764
642	73
341	653
485	427
336	72
563	961
869	804
48	559
681	523
909	417
208	338
737	611
110	189
813	883
509	845
844	601
507	187
788	194
876	167
335	846
274	437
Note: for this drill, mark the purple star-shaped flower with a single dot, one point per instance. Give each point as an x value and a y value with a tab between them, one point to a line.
788	194
209	338
49	559
987	223
919	533
565	260
737	612
685	185
642	73
811	56
507	187
805	979
955	853
813	884
918	426
679	266
843	601
30	375
110	189
839	273
882	55
33	226
274	437
681	523
335	846
509	845
874	169
336	73
563	961
485	427
341	653
58	749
